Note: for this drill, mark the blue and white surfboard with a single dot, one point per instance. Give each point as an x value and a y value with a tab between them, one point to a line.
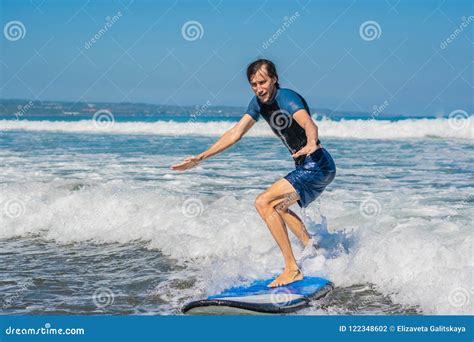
258	298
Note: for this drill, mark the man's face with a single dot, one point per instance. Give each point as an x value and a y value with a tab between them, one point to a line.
263	85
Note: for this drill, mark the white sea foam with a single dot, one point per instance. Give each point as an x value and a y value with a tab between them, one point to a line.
399	215
349	129
416	259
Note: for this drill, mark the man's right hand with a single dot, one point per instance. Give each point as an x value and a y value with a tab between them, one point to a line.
186	164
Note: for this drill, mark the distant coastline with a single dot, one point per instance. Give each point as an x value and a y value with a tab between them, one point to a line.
24	108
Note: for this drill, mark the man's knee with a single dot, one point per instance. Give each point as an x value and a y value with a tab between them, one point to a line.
262	202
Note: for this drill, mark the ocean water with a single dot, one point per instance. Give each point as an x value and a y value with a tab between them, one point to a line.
93	221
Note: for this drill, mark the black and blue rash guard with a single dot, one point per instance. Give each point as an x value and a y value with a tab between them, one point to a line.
279	114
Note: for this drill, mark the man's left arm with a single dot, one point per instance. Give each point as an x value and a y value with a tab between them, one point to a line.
303	118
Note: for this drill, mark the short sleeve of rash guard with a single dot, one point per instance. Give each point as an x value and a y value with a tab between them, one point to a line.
253	109
292	102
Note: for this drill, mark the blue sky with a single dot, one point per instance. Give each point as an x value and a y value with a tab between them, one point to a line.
144	56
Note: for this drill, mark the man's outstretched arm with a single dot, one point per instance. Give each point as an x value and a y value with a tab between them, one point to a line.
229	138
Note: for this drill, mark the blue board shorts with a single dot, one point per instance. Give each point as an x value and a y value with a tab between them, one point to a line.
312	176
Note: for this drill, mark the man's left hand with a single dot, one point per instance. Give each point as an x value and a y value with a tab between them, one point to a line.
307	150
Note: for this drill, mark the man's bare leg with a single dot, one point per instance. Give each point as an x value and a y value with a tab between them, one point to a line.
298	228
295	224
284	194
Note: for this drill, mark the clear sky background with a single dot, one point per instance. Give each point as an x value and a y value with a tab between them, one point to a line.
144	56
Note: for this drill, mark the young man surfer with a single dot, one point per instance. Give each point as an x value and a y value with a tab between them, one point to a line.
289	118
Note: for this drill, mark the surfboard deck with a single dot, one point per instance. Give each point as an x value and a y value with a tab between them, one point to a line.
257	298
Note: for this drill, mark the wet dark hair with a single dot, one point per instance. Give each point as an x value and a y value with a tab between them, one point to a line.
269	66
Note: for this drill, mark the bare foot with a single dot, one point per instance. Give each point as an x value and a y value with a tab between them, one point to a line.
287	277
